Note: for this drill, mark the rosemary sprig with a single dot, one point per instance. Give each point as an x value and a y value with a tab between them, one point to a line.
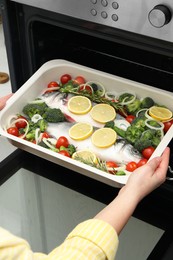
101	165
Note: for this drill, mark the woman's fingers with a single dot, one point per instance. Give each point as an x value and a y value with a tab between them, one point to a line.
3	100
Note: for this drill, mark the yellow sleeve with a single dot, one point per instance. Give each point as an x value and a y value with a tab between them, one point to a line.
91	239
13	247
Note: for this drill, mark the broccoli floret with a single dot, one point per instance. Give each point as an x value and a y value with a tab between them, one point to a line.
53	115
139	122
34	108
31	135
133	107
147	102
156	138
144	140
70	85
132	134
42	124
71	149
110	124
148	138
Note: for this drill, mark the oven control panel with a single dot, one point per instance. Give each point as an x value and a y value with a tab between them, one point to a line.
150	18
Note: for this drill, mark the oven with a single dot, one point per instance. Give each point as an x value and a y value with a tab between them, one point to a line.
131	39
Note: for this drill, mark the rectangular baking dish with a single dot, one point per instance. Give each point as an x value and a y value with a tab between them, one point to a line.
51	71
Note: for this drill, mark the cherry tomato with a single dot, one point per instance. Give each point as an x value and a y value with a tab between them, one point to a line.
65	153
79	80
147	152
22	123
52	84
111	164
62	141
130	118
131	166
167	125
65	78
13	131
142	162
45	135
86	88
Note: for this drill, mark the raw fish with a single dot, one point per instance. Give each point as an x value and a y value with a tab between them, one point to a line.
121	152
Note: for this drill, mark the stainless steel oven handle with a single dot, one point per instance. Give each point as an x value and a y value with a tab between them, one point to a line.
171	171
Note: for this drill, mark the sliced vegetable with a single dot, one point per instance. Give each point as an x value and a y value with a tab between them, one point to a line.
126	98
85	88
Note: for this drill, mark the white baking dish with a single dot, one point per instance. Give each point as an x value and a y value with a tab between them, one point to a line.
51	71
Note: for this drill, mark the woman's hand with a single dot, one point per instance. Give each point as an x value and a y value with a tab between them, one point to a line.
148	177
3	100
140	183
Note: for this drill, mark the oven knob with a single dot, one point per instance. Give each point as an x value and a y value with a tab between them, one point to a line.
159	16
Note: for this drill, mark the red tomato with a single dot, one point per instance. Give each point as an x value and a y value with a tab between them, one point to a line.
65	153
111	164
65	78
147	152
130	118
52	84
131	166
22	123
86	88
13	131
45	135
142	162
167	125
79	80
62	141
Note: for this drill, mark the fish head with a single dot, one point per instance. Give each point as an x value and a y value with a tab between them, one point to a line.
126	151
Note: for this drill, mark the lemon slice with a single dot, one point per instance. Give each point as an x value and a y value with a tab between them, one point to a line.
104	137
80	131
103	113
79	105
85	156
160	113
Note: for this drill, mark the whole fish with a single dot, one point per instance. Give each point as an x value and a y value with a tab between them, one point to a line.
121	152
60	100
